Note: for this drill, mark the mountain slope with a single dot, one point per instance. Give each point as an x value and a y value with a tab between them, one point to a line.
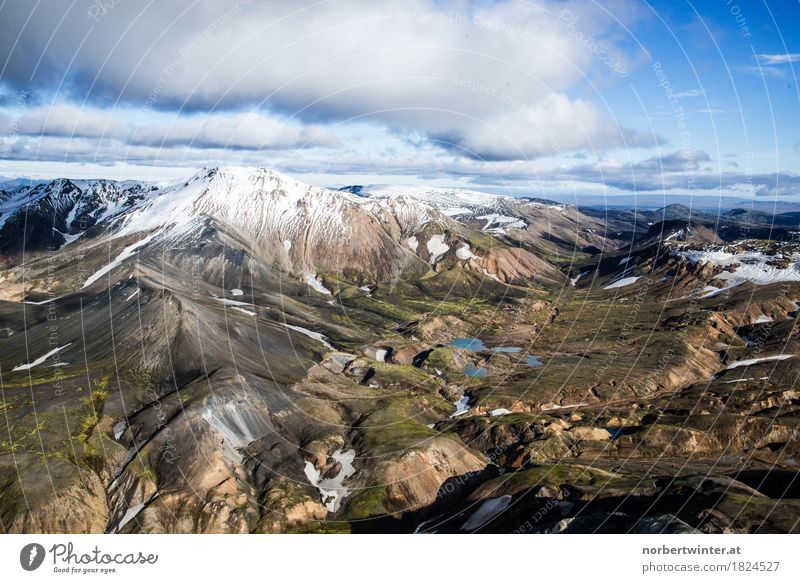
305	231
45	216
546	228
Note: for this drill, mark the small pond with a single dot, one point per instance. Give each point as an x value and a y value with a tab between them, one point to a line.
477	345
468	344
475	372
617	432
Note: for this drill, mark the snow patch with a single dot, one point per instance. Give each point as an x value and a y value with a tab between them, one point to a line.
496	221
333	490
748	266
316	285
67	237
488	510
311	334
491	275
711	291
743	380
244	311
235	303
575	279
499	412
623	282
464	252
437	247
556	407
749	361
129	515
129	251
41	359
119	429
462	406
41	303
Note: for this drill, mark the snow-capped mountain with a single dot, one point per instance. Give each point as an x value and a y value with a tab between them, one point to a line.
540	223
497	211
300	229
261	203
47	215
729	266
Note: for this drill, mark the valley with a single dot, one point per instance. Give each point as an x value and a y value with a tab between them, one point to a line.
241	352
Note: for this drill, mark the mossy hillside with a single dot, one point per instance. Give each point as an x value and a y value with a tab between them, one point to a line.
366	503
392	312
66	270
592	343
404	376
72	427
399	424
440	358
319	527
388	309
463	283
551	476
284	494
42	376
44	424
753	514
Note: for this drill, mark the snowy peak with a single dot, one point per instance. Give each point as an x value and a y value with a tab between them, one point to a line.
451	201
299	228
46	215
236	182
494	213
410	214
255	201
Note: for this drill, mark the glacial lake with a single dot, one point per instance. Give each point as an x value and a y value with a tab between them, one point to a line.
475	372
468	344
477	345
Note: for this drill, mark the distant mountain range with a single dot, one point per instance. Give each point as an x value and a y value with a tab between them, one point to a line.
705	203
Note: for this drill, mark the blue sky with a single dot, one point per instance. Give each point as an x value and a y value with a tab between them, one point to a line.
536	98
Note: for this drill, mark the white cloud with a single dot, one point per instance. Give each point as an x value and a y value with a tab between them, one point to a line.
70	121
247	130
336	61
689	93
778	59
555	124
